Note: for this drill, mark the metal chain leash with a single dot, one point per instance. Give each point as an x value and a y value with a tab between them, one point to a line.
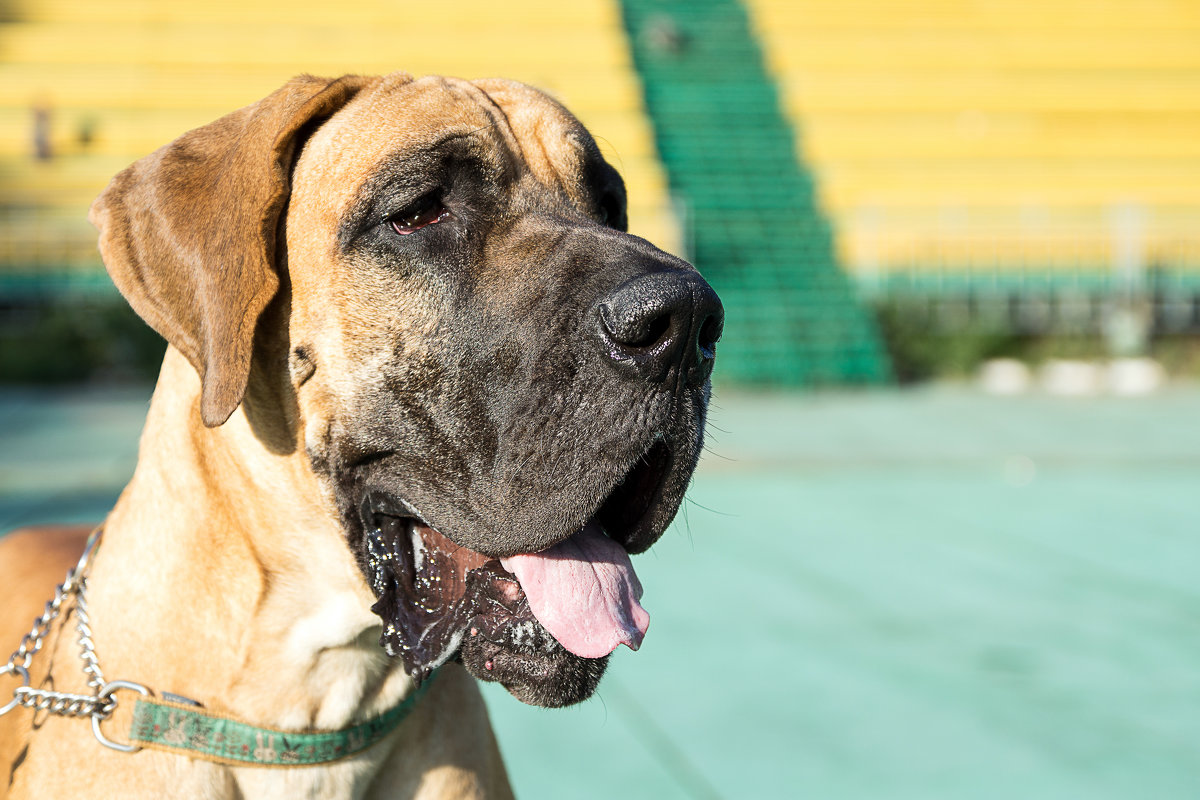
68	704
87	647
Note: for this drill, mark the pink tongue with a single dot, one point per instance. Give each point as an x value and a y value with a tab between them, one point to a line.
584	591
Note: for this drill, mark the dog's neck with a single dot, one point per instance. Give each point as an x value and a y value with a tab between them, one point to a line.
242	541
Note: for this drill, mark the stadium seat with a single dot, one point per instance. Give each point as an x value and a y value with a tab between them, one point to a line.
995	134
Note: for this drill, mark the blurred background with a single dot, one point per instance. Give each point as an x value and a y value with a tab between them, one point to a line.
944	540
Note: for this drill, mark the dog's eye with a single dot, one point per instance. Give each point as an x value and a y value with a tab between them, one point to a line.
426	211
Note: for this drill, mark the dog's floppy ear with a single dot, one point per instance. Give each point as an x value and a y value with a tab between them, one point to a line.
188	233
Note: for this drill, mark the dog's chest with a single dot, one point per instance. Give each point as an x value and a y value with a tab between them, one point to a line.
339	781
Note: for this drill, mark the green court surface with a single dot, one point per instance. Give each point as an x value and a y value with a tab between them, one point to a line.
924	594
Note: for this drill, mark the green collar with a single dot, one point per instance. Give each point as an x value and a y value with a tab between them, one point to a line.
188	730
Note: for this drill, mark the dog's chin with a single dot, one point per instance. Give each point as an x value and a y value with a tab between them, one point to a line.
440	601
540	672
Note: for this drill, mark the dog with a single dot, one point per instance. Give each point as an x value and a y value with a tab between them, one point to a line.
422	397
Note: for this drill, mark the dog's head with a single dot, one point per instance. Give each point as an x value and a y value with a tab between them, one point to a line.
425	288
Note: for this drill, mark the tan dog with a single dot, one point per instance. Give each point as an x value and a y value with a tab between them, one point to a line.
421	391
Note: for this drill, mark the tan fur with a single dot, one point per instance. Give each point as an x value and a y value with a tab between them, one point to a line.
224	574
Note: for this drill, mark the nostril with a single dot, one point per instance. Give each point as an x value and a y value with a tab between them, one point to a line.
653	332
639	333
710	332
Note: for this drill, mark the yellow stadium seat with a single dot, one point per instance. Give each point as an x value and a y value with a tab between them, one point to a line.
994	132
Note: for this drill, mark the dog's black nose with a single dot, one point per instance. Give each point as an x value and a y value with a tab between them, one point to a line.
656	321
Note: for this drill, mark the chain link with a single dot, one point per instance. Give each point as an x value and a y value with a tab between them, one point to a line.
87	647
64	704
31	643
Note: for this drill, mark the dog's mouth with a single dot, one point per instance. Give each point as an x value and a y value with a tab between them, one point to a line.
540	623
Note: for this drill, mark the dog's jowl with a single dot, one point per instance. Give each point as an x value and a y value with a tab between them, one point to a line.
423	398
